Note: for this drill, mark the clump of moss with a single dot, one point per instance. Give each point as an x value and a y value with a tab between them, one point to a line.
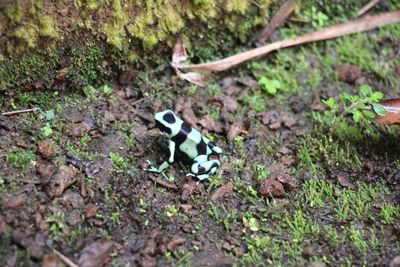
87	64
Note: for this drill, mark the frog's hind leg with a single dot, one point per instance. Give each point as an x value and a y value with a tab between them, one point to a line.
202	168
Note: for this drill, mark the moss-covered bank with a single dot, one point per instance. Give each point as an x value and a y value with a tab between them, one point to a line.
36	36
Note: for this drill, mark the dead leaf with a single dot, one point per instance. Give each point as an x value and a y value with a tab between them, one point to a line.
392	112
193	77
96	254
179	54
208	123
234	130
188	189
222	191
344	182
64	177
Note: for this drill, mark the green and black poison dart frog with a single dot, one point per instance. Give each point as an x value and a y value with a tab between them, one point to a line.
189	141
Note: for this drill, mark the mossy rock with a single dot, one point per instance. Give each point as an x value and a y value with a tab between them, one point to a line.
36	35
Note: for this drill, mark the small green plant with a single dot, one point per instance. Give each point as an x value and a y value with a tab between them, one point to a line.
271	86
106	89
46	130
118	162
366	103
171	211
318	18
250	223
21	158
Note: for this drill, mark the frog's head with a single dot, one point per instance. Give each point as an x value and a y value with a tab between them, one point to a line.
166	121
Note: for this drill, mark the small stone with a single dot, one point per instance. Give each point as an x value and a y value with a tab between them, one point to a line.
14	202
395	262
348	72
45	148
270	187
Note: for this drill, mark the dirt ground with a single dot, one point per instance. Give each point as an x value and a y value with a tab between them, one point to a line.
300	184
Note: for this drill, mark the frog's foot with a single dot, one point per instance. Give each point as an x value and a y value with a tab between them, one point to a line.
204	170
151	168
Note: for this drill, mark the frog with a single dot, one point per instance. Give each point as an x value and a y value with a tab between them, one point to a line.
190	142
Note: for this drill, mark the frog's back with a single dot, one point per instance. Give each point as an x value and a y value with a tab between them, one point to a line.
190	141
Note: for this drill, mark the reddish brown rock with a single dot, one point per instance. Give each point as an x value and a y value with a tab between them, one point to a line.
270	187
45	148
64	177
222	191
348	72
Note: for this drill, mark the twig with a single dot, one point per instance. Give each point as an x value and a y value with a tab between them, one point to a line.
283	13
18	111
355	26
66	260
367	7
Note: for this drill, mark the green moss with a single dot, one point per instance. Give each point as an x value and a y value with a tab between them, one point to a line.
86	65
46	26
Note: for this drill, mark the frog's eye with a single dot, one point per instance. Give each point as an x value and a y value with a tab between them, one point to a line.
163	128
169	117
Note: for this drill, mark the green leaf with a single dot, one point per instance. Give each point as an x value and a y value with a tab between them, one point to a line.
271	86
364	90
368	113
376	96
357	115
379	109
49	114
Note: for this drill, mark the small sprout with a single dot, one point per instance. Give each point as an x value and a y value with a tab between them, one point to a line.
171	211
271	86
49	114
47	130
366	104
251	223
106	89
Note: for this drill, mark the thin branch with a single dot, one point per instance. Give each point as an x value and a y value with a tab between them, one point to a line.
66	260
283	13
359	25
367	7
18	111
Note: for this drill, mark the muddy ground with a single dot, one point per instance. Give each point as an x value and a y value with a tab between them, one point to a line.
299	183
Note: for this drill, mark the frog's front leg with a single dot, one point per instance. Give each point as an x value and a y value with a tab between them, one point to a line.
165	164
203	168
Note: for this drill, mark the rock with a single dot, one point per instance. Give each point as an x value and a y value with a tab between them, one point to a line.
270	187
188	189
222	191
72	200
96	254
126	77
90	210
395	262
76	129
348	72
46	170
45	148
72	115
109	117
64	177
309	251
14	202
288	181
175	242
50	261
74	217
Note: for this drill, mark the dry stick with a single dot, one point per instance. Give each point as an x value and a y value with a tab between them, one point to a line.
283	13
65	259
367	7
355	26
18	111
